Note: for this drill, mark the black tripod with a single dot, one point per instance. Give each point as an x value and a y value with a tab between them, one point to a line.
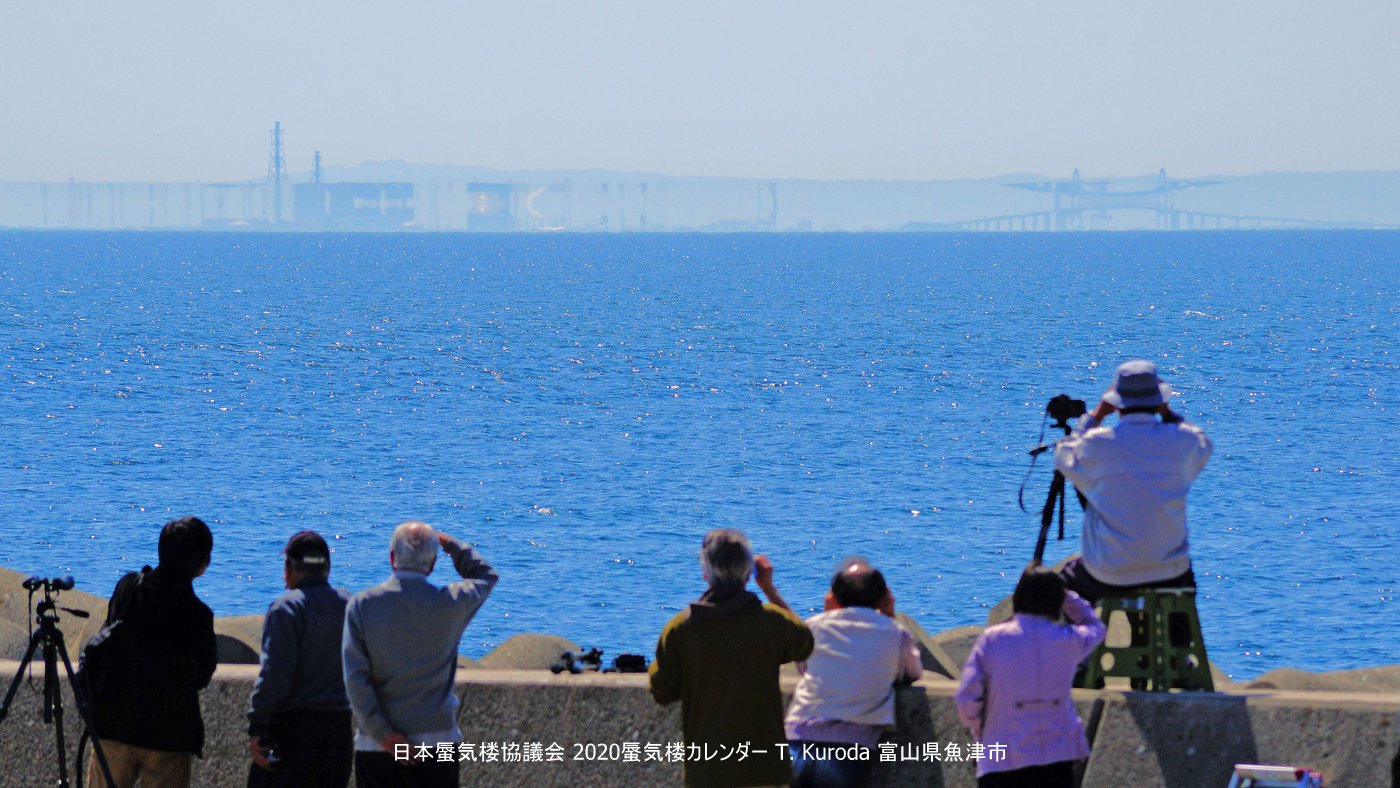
1062	413
50	640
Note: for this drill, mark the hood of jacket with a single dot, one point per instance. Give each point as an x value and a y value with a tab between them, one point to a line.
720	602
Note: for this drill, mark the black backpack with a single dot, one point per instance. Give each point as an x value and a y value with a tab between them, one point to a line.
106	663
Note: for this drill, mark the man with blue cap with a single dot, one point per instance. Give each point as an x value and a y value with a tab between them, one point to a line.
1135	476
299	726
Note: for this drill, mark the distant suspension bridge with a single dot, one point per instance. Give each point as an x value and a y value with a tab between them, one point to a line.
1084	204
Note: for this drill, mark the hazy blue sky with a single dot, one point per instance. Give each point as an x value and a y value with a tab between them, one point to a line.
160	90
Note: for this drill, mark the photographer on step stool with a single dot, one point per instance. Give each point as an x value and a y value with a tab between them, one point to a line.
1135	477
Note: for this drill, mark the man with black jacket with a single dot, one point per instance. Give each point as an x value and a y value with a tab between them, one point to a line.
300	733
149	722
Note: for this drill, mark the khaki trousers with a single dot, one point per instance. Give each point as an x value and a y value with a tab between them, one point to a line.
154	768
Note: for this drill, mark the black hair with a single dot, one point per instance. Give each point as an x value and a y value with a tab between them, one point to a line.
185	546
1039	592
864	587
1139	409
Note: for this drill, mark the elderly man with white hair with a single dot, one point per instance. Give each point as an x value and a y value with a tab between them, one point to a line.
400	658
719	657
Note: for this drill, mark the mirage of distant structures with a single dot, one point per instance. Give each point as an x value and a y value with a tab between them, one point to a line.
399	197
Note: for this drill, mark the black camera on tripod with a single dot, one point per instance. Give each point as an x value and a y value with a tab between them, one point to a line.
1061	408
46	612
48	642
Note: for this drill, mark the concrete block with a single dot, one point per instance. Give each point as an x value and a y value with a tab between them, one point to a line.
925	716
223	705
1382	679
14	640
528	652
588	717
1191	739
240	639
957	643
936	660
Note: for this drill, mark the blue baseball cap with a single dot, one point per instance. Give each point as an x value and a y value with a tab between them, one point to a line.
307	548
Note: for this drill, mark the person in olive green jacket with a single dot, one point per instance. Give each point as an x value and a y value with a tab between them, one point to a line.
720	659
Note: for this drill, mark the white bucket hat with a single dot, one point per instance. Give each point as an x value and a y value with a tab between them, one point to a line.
1136	385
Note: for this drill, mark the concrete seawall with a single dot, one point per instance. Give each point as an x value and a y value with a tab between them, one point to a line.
1140	739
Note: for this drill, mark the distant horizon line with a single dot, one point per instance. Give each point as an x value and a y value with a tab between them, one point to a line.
594	173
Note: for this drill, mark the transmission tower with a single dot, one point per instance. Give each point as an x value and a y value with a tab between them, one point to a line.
276	172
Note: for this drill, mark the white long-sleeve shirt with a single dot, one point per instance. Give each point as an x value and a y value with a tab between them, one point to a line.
847	686
1135	476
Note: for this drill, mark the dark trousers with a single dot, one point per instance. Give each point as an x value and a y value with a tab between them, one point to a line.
1059	774
380	770
828	772
1078	580
313	749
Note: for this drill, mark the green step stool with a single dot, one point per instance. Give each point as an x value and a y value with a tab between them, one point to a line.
1166	650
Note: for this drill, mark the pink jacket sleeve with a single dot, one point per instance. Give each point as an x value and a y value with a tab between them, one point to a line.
971	696
1089	631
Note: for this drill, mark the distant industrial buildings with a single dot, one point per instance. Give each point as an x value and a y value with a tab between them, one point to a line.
474	206
352	206
638	204
403	197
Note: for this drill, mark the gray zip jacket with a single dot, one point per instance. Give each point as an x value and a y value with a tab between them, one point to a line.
400	647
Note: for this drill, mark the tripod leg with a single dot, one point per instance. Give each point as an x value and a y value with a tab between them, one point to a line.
1047	513
19	673
53	708
1062	509
80	700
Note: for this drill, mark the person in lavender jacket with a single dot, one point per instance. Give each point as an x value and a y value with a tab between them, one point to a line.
1015	688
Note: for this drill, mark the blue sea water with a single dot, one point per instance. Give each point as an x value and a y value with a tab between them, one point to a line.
585	407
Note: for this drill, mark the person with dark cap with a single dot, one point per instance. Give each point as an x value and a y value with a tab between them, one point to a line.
719	657
845	700
1135	477
149	722
300	731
